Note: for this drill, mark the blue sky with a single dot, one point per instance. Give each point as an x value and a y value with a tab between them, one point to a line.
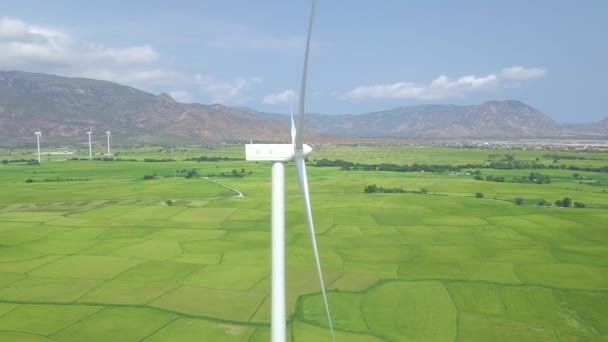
366	55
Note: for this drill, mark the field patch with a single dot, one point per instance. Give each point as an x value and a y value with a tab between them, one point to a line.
7	278
149	250
299	282
204	259
186	329
30	216
23	337
448	253
85	267
353	282
539	306
24	266
518	255
380	270
490	271
549	221
177	234
582	254
570	276
106	246
125	233
248	257
203	215
388	254
303	257
344	307
227	277
127	324
426	311
149	212
43	319
101	213
56	290
12	238
80	233
452	220
512	222
474	327
9	226
345	230
127	292
67	222
423	270
306	332
211	246
158	271
249	214
222	304
480	298
591	307
58	246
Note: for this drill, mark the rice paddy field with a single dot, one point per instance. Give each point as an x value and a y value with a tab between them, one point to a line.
92	251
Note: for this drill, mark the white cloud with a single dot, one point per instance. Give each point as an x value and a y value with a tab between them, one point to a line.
181	96
232	92
440	88
519	73
42	49
282	97
149	76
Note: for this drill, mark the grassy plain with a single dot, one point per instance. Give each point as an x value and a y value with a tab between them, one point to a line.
89	250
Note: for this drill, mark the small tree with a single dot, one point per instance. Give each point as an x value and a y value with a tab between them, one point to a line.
579	204
169	202
519	201
29	180
371	188
478	195
542	203
567	202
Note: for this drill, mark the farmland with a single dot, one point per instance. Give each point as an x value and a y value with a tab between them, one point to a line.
90	250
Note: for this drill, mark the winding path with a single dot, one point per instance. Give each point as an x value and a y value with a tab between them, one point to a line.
239	194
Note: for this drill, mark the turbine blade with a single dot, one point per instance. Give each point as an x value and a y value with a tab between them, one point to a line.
299	141
293	127
303	183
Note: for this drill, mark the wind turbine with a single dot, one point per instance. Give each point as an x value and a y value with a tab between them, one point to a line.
109	136
90	147
38	135
278	155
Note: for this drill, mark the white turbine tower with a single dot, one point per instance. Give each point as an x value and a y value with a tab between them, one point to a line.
90	147
38	135
109	135
278	155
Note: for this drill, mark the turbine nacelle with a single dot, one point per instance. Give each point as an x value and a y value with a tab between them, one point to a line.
273	152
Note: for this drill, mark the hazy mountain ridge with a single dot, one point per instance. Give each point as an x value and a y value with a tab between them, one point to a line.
67	107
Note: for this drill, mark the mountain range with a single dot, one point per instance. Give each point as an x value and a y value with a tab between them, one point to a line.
65	108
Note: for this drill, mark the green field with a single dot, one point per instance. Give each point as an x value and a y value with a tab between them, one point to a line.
90	251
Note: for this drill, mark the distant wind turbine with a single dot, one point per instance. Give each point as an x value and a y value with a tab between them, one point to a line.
109	136
90	147
38	135
278	155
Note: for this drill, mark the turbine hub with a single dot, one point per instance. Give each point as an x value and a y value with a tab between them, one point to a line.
306	150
